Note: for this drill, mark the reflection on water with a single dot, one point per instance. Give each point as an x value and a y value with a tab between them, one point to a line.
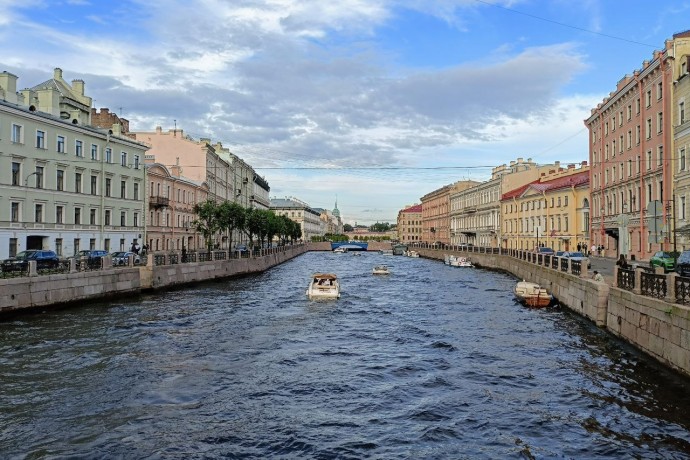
429	362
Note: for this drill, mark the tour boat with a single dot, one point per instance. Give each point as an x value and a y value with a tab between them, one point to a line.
324	286
532	294
340	250
381	270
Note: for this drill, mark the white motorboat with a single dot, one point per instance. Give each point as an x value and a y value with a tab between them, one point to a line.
411	253
340	250
447	258
460	262
532	294
381	270
324	286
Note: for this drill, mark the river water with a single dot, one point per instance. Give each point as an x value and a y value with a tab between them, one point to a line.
429	362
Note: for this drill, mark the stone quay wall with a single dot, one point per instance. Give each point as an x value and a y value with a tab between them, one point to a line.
657	327
34	292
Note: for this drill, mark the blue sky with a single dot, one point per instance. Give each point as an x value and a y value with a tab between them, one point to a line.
383	100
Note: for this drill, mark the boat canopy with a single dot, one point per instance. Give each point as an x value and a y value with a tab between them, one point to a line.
325	276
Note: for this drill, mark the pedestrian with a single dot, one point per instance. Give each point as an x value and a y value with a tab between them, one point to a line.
579	247
597	276
593	249
621	262
599	249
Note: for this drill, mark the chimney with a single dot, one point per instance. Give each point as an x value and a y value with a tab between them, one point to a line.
57	73
78	87
8	87
571	166
584	163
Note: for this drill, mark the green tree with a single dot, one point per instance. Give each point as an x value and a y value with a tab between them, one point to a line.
347	228
231	217
207	222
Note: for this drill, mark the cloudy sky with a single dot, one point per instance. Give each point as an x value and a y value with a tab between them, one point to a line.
375	102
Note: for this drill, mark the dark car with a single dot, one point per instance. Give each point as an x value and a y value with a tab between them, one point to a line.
683	264
44	259
578	256
93	257
122	258
545	251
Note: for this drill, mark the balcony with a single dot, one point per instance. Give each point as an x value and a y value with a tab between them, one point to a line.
158	202
469	209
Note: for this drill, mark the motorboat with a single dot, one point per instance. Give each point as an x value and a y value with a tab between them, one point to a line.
411	253
381	270
446	259
460	262
340	250
324	286
532	294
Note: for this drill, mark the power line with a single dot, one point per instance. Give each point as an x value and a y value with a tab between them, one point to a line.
562	24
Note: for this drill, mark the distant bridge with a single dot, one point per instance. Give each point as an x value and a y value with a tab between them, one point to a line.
350	246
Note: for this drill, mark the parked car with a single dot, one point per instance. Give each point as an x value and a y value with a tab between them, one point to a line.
241	248
683	264
44	259
578	256
122	257
559	253
93	257
663	259
542	250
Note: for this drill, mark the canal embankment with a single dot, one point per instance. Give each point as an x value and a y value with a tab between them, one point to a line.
659	327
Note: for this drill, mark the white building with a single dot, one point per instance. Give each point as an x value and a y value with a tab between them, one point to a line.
307	217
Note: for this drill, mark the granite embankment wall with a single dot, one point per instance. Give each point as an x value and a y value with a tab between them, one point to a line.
658	327
27	293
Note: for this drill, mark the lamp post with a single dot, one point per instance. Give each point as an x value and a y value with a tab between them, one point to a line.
184	237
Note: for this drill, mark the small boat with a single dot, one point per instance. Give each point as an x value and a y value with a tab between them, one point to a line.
324	286
340	250
411	253
461	262
532	294
381	270
446	259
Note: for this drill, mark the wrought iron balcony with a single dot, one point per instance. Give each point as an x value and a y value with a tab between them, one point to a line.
158	202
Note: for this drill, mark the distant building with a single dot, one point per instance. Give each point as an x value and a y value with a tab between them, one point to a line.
436	212
308	218
67	185
409	224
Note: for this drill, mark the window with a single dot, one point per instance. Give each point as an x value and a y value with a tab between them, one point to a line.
77	182
108	155
629	112
123	218
92	217
648	98
17	134
38	214
620	145
60	144
659	90
637	135
79	148
136	161
681	156
566	202
123	189
94	152
13	247
107	244
59	214
136	219
659	122
649	159
565	223
40	139
14	212
606	128
136	191
107	217
123	158
58	246
681	113
629	144
637	106
620	118
613	148
39	176
16	174
682	208
77	216
648	130
660	155
107	186
60	180
94	183
76	246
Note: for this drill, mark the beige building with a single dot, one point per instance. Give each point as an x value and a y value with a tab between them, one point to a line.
475	213
552	211
681	139
409	224
308	218
436	212
171	202
65	184
631	152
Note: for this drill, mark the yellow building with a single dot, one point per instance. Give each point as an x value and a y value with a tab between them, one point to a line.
553	211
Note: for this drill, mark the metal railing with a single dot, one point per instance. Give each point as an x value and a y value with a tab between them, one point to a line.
682	290
576	267
653	285
626	279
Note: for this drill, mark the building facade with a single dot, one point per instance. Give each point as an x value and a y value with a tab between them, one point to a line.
308	218
66	185
631	153
681	139
409	224
436	212
552	211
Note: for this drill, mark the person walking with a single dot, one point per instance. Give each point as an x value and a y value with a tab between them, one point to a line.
621	262
593	249
579	247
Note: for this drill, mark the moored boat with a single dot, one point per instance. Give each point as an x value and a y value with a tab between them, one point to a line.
460	262
324	286
532	294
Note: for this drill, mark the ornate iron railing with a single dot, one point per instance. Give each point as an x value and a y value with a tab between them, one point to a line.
626	279
220	255
554	262
205	256
653	285
682	290
576	267
173	259
564	264
159	259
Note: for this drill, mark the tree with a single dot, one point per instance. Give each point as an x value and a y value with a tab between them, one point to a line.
347	228
380	227
231	217
207	221
256	224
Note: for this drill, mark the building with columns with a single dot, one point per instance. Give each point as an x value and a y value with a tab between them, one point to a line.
436	212
632	156
66	185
